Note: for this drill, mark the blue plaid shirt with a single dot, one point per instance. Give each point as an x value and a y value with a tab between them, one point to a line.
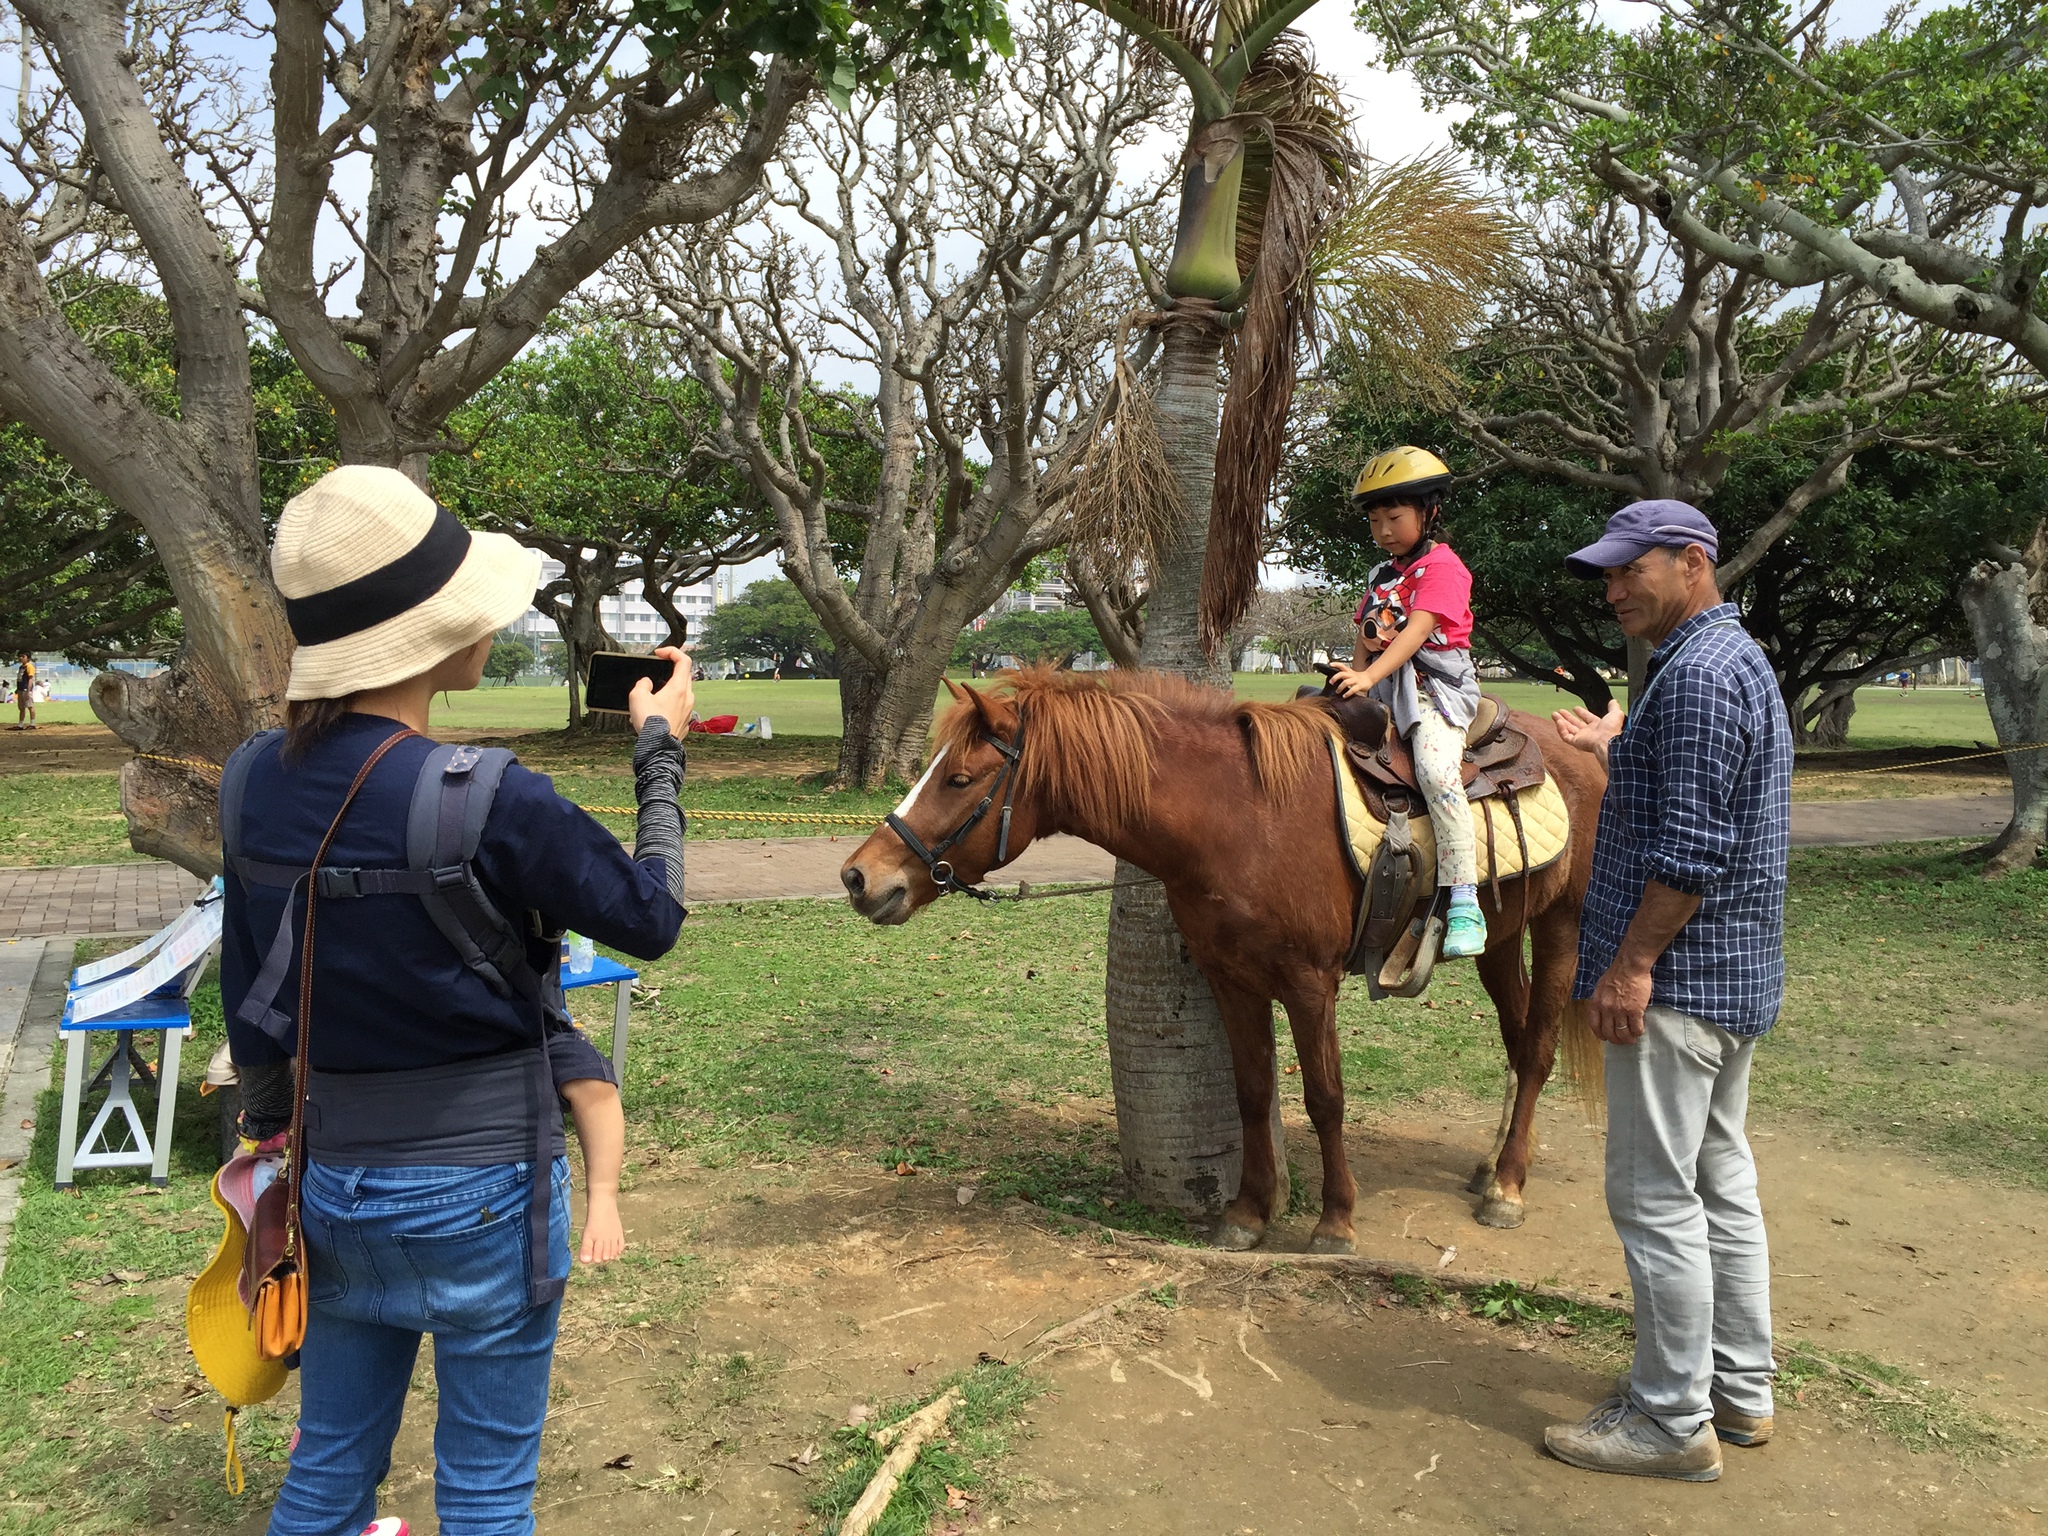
1699	798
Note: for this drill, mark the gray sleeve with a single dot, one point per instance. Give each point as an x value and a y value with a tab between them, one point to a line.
657	781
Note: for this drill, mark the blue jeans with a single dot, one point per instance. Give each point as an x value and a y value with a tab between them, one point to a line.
395	1253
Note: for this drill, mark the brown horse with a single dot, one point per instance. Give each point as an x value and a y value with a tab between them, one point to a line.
1232	806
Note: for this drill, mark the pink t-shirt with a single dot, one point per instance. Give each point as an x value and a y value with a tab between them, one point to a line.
1436	583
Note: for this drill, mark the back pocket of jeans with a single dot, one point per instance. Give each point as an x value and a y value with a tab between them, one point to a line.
474	1279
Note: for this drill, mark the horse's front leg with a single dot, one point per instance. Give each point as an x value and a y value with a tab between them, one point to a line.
1312	1014
1248	1022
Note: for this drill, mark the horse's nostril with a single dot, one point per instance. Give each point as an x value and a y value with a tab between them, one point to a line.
854	881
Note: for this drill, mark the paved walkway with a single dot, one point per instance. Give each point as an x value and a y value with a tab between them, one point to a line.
142	897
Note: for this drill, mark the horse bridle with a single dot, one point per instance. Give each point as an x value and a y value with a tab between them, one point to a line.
934	857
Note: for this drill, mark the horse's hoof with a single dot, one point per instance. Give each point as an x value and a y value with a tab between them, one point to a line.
1235	1239
1331	1242
1482	1176
1501	1213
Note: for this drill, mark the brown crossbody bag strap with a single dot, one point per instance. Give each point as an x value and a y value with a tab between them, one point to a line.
277	1299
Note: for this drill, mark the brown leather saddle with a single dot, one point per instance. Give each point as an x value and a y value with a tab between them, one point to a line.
1399	930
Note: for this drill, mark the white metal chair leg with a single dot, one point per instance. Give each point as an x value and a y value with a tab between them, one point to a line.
74	1084
622	1008
166	1103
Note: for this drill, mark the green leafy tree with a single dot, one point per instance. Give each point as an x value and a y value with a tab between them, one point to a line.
1057	637
587	450
769	622
509	659
1909	159
218	159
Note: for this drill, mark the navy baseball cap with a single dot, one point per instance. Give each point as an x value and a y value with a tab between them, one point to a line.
1640	527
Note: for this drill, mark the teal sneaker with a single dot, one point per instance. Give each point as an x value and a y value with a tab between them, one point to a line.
1464	931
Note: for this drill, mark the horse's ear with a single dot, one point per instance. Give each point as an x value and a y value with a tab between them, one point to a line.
959	694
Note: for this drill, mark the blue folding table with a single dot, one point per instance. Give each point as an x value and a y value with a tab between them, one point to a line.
603	971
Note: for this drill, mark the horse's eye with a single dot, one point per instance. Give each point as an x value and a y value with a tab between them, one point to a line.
960	781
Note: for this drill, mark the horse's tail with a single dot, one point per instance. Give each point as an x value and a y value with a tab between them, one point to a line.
1585	1059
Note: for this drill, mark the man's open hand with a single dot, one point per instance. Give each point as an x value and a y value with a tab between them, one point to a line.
1581	728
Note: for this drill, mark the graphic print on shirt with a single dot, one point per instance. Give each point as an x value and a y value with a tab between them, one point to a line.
1437	583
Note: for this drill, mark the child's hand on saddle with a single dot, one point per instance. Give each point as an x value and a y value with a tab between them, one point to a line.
1348	682
1581	728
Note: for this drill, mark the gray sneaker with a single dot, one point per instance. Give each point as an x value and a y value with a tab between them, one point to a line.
1732	1428
1619	1437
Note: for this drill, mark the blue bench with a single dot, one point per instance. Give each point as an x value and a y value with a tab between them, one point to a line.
168	1013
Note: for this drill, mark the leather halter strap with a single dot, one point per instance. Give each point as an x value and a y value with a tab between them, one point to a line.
933	857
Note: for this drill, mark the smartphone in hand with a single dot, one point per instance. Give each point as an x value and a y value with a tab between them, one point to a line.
613	674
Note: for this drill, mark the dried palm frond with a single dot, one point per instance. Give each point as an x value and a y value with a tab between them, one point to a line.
1123	503
1405	273
1191	23
1299	159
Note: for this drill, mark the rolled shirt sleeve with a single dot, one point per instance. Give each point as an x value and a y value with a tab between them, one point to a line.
1702	749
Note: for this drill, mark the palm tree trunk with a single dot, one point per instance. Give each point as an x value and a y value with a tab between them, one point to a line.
1176	1103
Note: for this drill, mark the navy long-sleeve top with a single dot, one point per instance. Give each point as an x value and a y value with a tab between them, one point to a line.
390	993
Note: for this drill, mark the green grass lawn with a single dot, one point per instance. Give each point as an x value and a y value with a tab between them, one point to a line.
811	708
780	1030
74	817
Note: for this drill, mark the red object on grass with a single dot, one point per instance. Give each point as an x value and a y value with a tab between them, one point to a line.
717	725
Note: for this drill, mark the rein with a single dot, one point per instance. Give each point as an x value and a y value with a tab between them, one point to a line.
933	857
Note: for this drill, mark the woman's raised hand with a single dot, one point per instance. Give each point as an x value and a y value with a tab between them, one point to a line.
673	701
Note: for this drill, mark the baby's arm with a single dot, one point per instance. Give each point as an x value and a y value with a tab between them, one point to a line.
601	1128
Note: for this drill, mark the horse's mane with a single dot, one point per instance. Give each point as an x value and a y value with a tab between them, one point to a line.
1089	736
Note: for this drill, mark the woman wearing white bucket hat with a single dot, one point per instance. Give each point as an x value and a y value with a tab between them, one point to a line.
425	1139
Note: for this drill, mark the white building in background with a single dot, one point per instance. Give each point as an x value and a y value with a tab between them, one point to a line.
1046	597
627	618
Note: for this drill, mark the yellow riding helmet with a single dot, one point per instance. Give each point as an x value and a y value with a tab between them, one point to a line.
1400	474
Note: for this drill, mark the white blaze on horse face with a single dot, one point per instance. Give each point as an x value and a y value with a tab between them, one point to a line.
903	809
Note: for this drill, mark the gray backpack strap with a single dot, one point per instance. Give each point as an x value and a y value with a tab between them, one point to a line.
259	1009
451	801
234	784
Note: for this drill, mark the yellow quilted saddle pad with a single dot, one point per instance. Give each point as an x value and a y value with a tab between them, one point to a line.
1545	818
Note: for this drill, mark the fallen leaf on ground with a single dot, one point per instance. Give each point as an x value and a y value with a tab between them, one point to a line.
965	1193
1448	1257
620	1463
956	1498
806	1456
168	1415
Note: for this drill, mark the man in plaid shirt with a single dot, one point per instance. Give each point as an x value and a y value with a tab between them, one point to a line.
1682	964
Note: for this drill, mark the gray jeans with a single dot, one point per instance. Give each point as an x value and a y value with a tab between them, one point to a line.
1681	1188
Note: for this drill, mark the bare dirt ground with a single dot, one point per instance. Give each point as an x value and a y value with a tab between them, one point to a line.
763	1307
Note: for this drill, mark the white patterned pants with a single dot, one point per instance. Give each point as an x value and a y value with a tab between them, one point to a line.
1439	750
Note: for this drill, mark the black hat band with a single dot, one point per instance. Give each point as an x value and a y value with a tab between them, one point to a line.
386	592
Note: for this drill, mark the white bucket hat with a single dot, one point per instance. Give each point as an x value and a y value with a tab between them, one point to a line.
380	581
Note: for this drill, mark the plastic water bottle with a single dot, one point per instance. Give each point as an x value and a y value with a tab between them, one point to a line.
582	955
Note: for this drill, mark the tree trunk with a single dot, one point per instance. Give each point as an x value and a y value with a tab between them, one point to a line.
1830	726
887	718
1176	1101
2000	600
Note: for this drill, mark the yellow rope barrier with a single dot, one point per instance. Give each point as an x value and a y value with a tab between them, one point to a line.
1932	762
212	770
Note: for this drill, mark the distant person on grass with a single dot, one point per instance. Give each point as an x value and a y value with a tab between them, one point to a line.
435	1191
1682	965
25	694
